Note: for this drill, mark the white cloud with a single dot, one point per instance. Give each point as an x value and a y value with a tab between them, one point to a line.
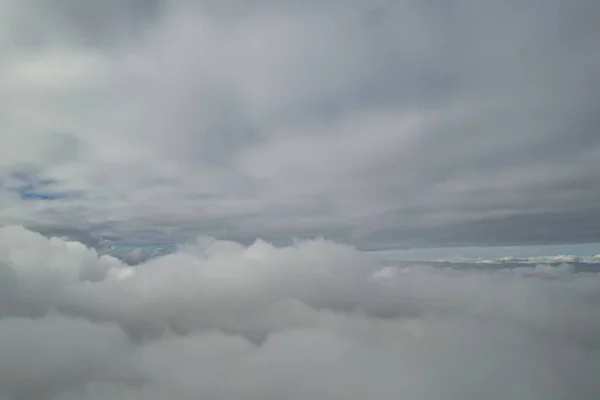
565	258
314	320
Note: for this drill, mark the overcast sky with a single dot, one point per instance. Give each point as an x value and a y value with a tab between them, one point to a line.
379	123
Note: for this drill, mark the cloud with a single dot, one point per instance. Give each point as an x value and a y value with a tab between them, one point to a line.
542	259
383	124
573	254
379	123
316	319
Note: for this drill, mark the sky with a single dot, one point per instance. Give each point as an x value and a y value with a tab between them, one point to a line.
250	200
381	124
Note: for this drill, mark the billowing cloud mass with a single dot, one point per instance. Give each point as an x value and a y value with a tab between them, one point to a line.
373	122
315	320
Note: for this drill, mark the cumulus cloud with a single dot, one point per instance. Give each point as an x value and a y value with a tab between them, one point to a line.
221	320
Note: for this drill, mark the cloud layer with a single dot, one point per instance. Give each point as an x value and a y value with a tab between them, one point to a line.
373	122
219	320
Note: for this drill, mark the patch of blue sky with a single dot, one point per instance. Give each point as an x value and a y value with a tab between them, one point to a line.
32	187
25	195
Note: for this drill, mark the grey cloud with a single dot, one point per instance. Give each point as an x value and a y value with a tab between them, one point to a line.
399	122
532	228
91	240
77	23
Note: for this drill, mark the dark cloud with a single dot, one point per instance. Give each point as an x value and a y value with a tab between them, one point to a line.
534	229
89	238
377	123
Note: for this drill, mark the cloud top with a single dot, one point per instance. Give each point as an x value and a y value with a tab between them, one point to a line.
313	320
